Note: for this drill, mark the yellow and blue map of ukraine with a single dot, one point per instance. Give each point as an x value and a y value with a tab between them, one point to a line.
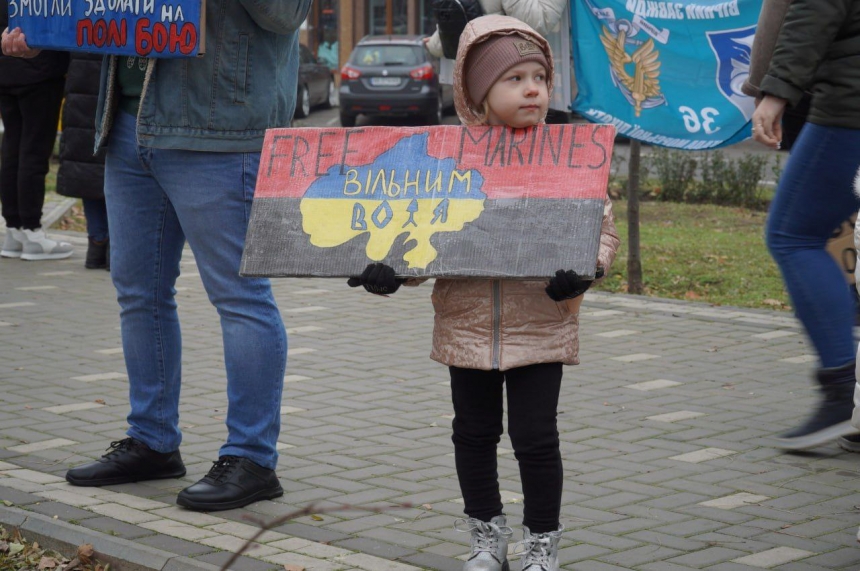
403	194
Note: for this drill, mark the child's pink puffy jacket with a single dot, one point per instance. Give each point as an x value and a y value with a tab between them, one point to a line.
502	324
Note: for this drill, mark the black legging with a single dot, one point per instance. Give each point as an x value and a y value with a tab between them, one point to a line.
30	117
532	408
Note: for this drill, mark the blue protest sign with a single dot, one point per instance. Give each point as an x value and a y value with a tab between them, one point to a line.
147	28
666	73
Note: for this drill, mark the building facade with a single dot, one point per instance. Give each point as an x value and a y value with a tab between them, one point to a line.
336	26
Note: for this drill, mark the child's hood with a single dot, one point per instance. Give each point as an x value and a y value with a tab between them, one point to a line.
477	31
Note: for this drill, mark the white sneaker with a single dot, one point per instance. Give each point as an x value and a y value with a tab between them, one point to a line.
13	243
37	246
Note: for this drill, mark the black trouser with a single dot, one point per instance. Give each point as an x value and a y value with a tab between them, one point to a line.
30	116
532	407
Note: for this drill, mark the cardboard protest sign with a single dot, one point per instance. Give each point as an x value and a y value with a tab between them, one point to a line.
146	28
429	201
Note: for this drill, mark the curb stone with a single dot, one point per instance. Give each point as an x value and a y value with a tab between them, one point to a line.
121	554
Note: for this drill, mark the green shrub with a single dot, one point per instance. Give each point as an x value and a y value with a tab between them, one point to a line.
675	170
722	181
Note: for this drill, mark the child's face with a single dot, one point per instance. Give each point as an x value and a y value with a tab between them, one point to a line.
520	97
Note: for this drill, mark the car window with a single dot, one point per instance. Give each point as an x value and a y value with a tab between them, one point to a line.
388	55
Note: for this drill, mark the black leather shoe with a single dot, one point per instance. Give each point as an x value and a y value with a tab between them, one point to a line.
127	460
232	482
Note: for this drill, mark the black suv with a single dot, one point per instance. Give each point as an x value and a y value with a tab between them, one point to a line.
392	75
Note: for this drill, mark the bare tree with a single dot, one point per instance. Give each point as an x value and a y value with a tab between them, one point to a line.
311	509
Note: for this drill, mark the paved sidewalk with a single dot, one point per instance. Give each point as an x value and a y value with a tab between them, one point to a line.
665	431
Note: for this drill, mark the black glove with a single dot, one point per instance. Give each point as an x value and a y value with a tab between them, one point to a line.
566	285
377	278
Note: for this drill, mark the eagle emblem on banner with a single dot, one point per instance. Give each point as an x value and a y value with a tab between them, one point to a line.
641	88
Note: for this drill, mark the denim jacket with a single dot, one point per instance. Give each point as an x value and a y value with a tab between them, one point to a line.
225	100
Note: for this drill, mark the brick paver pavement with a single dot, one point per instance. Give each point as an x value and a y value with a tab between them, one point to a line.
666	434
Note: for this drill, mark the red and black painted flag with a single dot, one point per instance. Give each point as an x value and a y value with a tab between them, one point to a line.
430	201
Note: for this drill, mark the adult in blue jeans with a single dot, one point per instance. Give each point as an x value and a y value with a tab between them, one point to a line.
183	139
818	49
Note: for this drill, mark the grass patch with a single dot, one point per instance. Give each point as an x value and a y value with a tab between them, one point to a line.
701	252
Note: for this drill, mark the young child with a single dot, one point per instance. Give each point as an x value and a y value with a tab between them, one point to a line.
506	332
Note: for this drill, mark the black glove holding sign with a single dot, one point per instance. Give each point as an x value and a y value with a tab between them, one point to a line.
568	285
377	278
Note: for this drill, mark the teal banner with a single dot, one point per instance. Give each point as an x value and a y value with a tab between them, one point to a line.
665	73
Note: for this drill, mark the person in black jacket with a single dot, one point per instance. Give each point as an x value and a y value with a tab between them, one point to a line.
81	173
817	50
31	92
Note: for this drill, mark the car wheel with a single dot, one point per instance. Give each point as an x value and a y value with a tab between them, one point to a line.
435	117
332	95
303	102
347	120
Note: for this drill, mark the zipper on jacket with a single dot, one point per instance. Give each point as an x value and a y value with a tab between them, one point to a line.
497	318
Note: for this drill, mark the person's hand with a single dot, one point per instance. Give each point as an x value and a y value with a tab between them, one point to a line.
377	278
14	43
567	285
767	121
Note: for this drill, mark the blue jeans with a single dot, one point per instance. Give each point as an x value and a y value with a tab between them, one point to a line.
815	195
95	211
156	199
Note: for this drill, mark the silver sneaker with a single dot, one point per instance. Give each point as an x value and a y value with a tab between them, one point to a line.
489	543
13	243
539	552
37	246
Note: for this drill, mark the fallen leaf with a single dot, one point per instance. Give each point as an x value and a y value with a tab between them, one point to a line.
100	401
4	547
7	503
692	295
316	517
289	567
48	563
427	506
85	553
15	548
772	302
